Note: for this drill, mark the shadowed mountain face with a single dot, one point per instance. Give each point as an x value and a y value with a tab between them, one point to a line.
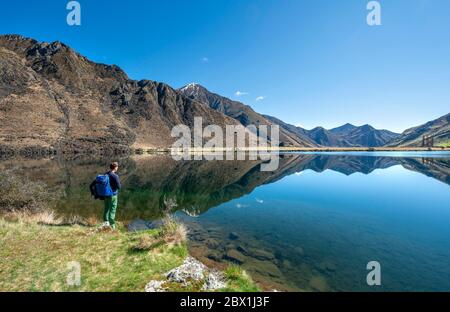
439	129
324	137
344	130
196	186
240	112
53	98
365	136
347	135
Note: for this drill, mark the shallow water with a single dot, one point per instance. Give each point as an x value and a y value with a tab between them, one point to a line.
312	225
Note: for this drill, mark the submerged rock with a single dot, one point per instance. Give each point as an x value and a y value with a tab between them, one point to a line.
233	236
215	256
319	283
266	268
261	254
212	243
299	250
327	266
243	250
141	225
286	264
234	256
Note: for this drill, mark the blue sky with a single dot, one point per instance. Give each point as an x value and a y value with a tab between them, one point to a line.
314	62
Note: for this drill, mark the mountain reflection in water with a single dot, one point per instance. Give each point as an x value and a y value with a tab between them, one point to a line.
198	185
313	224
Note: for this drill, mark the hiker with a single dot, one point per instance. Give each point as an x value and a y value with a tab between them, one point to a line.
106	187
109	215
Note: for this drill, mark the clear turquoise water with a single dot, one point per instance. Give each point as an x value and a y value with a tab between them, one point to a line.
398	217
312	225
394	216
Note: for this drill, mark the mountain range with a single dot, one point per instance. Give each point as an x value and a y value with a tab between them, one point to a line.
54	99
347	135
439	129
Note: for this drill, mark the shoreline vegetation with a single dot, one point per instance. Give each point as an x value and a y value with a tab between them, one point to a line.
40	152
38	247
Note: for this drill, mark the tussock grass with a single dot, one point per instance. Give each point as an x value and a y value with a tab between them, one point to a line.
172	233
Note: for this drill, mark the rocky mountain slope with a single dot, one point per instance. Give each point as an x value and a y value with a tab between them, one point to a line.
439	129
241	112
52	98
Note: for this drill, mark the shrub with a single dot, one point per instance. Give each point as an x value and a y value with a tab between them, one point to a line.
18	193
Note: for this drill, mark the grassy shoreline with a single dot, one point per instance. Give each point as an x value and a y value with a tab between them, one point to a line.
35	257
38	152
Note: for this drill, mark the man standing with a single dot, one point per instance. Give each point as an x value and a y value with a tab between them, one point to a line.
109	215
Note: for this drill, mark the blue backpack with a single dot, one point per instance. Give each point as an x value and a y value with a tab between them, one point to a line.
102	186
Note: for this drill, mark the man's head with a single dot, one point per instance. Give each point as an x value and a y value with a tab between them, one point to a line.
114	167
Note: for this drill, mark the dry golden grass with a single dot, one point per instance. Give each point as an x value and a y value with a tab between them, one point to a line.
45	217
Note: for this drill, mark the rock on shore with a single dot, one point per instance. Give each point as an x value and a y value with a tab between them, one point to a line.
190	271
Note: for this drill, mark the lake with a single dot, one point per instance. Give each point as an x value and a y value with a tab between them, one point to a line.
312	225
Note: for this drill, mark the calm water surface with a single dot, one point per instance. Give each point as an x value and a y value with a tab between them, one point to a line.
312	225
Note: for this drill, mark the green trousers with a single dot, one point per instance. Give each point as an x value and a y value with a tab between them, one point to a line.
109	215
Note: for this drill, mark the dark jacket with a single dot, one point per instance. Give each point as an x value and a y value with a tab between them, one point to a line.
114	181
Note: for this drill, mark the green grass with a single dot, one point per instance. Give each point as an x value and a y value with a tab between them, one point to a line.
444	143
238	280
35	257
